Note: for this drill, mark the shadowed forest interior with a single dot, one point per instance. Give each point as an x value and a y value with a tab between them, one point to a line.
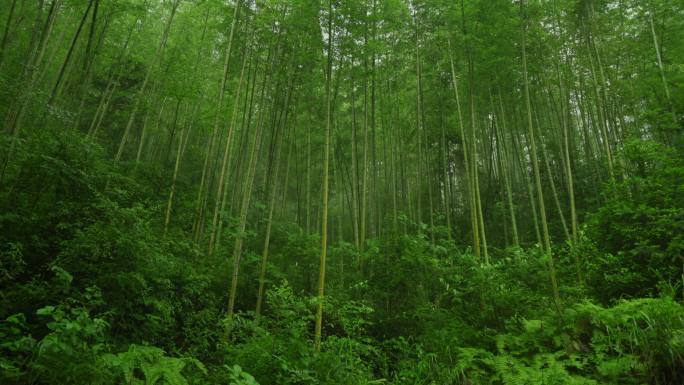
342	192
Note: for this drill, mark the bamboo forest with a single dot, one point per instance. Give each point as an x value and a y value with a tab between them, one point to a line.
354	192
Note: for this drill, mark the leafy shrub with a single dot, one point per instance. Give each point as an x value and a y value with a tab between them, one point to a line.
278	348
72	351
641	225
16	347
152	365
240	377
75	351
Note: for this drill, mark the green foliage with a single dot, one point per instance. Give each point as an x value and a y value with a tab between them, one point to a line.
641	225
73	350
96	287
634	342
16	347
278	349
635	339
239	377
11	262
155	366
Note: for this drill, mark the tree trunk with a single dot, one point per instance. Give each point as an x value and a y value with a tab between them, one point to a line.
535	164
143	87
324	214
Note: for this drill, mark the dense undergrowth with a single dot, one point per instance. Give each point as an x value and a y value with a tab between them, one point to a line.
93	293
